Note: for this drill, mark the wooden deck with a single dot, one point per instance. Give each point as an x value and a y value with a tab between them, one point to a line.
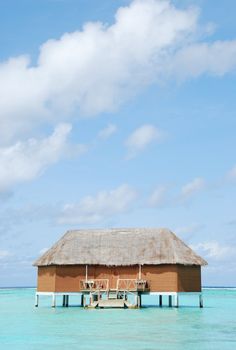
111	303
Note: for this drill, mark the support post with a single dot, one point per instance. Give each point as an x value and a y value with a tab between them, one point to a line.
36	300
140	300
140	272
176	300
160	300
64	301
90	299
67	300
200	301
170	300
82	300
53	300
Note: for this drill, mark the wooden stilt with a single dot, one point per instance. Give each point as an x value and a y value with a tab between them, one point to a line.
36	300
90	299
67	300
53	300
140	300
82	300
63	300
176	300
140	272
170	300
160	300
200	301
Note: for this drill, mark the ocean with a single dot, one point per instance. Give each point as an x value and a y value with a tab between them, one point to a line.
24	327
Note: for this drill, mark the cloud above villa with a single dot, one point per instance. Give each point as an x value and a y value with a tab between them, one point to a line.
117	115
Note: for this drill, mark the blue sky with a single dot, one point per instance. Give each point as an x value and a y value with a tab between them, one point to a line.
117	114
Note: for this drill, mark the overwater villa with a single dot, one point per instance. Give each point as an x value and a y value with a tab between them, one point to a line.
115	267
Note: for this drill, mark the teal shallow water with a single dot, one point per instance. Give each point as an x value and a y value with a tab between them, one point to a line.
23	327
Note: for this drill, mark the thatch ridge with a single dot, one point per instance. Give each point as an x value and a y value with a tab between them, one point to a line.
120	247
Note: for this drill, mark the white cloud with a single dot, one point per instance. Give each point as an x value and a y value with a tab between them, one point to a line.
141	138
158	197
109	130
193	187
189	229
215	250
4	254
194	60
42	251
232	174
93	209
24	161
97	69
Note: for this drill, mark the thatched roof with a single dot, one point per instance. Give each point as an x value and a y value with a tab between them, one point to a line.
116	247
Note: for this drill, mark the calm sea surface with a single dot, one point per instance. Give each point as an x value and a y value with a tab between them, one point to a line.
24	327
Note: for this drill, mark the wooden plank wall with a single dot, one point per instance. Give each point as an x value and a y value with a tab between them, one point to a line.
46	279
189	278
68	278
161	278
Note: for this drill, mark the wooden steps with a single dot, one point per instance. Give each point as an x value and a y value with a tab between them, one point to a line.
112	295
111	303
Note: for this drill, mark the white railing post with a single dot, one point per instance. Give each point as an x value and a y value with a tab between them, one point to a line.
53	300
176	300
140	272
36	300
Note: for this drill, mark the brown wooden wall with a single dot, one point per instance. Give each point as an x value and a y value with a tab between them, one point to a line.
161	278
46	278
189	278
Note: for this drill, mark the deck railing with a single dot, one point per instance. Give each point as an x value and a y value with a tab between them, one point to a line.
94	284
123	284
131	284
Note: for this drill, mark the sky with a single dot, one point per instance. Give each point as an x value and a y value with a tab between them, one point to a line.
117	113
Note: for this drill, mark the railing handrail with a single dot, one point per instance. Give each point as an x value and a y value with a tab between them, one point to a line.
130	283
95	279
122	284
132	279
95	282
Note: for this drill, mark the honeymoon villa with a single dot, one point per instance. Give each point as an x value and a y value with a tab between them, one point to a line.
115	267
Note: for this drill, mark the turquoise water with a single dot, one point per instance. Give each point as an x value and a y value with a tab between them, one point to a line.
151	328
